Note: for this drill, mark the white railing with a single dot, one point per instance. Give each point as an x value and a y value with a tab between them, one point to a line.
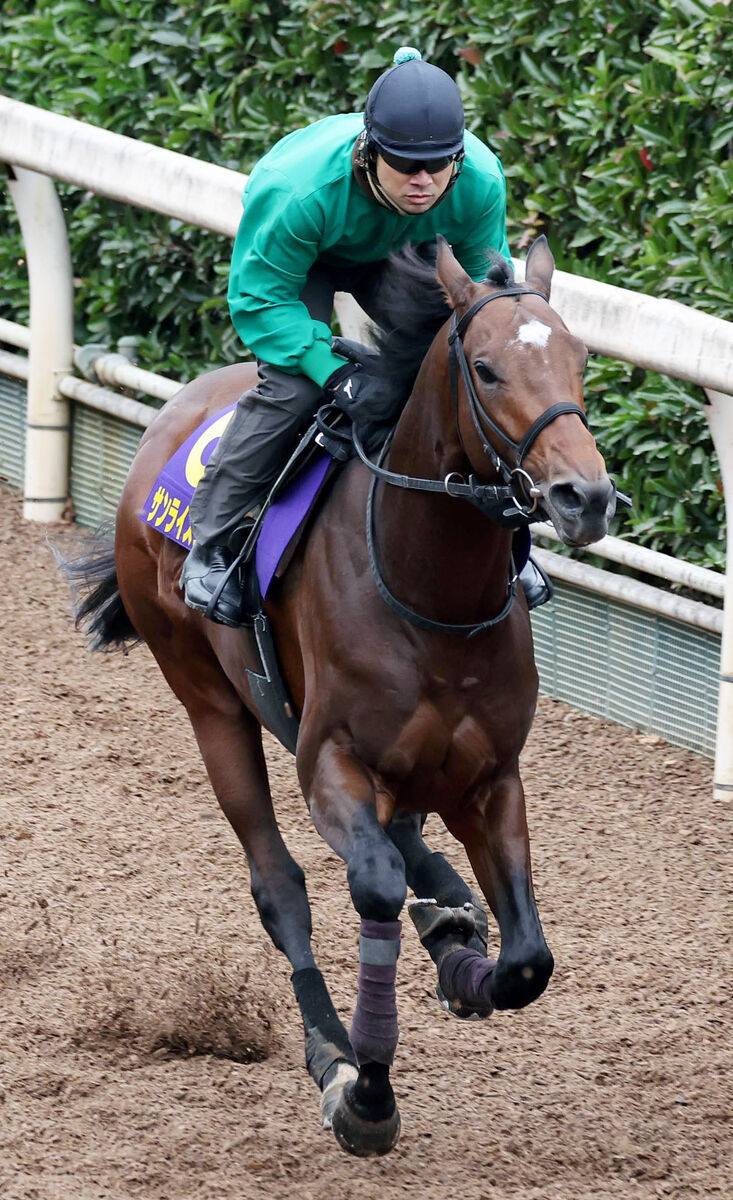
40	146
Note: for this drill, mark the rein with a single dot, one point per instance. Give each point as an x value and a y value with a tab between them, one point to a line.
491	499
409	614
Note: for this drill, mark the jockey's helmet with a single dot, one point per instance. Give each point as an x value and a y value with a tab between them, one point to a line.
414	111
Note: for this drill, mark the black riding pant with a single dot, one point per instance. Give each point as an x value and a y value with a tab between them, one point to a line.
270	417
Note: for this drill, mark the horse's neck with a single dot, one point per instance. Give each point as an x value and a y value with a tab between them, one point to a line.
440	555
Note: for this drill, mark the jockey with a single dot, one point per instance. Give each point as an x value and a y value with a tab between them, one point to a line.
323	210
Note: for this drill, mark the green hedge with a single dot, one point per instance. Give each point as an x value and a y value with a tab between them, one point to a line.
614	123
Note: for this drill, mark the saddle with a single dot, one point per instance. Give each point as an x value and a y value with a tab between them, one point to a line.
271	539
267	544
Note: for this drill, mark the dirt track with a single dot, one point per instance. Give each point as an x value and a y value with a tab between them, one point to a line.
149	1042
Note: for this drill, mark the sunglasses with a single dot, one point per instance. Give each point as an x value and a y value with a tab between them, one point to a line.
413	166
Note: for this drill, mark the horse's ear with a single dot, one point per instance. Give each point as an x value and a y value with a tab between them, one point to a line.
454	281
539	266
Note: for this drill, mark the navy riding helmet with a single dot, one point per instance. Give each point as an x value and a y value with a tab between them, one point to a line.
414	112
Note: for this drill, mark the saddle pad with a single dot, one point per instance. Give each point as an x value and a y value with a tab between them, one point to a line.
286	515
167	508
168	505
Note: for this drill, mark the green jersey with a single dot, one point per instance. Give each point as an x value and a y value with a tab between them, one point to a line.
302	203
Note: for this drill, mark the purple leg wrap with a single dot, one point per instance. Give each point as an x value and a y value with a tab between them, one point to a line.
466	976
374	1032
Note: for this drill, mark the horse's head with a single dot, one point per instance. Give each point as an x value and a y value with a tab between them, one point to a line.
520	363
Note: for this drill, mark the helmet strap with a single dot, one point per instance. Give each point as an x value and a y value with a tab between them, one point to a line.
365	158
361	155
457	169
379	193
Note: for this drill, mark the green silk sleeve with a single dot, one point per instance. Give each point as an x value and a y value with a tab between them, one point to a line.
277	243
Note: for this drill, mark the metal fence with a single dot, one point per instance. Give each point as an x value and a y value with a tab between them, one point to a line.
633	667
13	401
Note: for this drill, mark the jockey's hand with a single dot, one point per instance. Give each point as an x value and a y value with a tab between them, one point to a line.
361	396
356	352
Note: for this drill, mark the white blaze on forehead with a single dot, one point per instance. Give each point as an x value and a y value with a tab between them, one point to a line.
534	333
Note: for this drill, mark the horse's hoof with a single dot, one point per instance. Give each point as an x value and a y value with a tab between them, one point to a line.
331	1094
482	923
517	984
433	923
464	1012
361	1137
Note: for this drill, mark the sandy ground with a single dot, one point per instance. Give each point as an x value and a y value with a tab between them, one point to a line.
149	1042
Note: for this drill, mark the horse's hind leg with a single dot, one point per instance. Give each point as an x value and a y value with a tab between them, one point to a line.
232	752
448	916
230	742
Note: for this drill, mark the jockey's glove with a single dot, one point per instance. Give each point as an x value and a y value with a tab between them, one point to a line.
356	352
361	396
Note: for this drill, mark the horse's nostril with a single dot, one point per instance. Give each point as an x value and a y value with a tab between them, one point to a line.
567	499
581	498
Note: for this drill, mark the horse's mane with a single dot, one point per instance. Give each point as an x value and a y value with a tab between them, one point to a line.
413	307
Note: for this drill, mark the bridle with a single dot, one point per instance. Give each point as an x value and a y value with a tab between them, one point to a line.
491	499
480	417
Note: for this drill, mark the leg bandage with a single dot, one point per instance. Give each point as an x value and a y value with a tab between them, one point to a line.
467	976
374	1032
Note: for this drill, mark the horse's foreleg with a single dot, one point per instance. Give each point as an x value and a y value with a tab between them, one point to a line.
342	803
447	914
497	843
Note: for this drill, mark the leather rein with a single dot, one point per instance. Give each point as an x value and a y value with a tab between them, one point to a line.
512	505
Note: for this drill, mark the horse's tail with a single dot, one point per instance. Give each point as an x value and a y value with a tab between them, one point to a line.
97	603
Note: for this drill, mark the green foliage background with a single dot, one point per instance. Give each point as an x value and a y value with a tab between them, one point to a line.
614	123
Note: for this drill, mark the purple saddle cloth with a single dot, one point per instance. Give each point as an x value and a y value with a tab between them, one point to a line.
285	517
168	505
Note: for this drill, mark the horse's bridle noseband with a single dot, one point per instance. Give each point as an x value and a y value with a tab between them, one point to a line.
490	498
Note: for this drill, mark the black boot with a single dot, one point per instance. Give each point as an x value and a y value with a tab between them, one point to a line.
536	583
204	573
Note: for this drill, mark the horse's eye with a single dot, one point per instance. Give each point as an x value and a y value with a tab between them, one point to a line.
485	373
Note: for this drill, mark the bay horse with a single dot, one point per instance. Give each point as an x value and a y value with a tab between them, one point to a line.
406	646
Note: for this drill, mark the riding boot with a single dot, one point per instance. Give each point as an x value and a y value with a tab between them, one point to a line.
537	584
262	432
207	588
263	429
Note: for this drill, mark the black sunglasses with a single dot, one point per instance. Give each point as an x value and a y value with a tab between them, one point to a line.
413	166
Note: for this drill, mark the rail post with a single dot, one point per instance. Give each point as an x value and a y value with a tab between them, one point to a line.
719	413
46	487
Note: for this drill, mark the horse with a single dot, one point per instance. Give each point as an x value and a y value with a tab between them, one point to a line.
406	646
